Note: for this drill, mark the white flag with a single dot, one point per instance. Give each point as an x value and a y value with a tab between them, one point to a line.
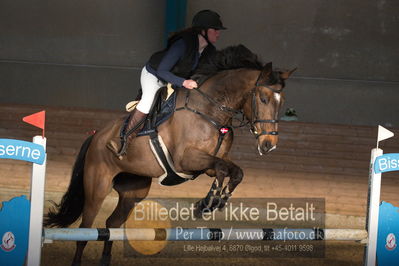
384	133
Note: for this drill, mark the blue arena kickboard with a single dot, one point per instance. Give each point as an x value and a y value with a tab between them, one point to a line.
388	235
14	231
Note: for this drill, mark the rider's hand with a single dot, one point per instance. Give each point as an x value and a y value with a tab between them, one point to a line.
190	84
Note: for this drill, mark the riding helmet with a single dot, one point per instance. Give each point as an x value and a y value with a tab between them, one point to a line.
206	19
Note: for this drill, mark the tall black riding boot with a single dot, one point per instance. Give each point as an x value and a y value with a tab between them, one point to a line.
135	123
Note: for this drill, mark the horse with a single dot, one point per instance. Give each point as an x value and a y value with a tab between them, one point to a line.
198	137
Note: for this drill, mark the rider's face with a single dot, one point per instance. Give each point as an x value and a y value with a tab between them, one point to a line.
213	35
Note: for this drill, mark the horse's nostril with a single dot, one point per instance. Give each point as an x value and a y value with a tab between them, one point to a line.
268	146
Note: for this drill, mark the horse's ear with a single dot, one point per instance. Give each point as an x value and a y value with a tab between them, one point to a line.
268	67
266	71
287	74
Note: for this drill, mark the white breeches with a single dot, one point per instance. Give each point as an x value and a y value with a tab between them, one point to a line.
149	85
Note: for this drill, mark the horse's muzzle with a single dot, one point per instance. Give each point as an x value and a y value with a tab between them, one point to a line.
266	147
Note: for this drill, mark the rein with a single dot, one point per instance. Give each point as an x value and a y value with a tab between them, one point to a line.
222	129
221	107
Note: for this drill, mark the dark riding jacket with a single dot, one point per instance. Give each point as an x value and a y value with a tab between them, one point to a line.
177	62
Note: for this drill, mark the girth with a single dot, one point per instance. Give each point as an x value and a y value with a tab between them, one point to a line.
171	177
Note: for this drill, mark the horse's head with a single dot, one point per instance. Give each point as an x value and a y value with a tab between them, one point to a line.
263	105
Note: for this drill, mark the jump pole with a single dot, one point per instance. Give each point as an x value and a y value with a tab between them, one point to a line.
202	234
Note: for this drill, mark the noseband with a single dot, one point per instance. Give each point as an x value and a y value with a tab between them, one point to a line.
254	117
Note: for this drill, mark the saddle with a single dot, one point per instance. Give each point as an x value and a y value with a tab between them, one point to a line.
162	109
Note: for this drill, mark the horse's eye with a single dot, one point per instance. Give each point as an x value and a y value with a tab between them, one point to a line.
263	100
263	97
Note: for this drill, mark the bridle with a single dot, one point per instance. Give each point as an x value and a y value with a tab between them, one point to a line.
254	111
221	107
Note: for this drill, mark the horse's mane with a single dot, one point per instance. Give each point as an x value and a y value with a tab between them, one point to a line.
232	57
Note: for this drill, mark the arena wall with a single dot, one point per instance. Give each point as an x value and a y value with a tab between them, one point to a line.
89	54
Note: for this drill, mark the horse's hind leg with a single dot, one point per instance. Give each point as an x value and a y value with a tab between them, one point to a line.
131	189
97	185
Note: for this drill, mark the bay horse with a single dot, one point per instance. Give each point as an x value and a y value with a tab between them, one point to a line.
236	82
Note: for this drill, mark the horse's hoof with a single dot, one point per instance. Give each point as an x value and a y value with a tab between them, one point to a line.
200	208
216	203
105	260
223	201
76	263
222	205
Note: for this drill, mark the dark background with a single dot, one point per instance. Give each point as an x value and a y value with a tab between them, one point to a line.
89	53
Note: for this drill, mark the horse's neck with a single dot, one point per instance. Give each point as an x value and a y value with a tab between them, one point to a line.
231	87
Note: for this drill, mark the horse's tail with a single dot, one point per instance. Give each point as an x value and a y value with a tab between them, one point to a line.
71	206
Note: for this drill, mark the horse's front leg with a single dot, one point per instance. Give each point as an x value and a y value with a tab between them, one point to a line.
196	160
236	176
213	199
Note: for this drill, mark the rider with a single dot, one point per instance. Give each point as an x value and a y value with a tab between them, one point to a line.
175	64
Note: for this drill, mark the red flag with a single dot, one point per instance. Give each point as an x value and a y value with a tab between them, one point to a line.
36	119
